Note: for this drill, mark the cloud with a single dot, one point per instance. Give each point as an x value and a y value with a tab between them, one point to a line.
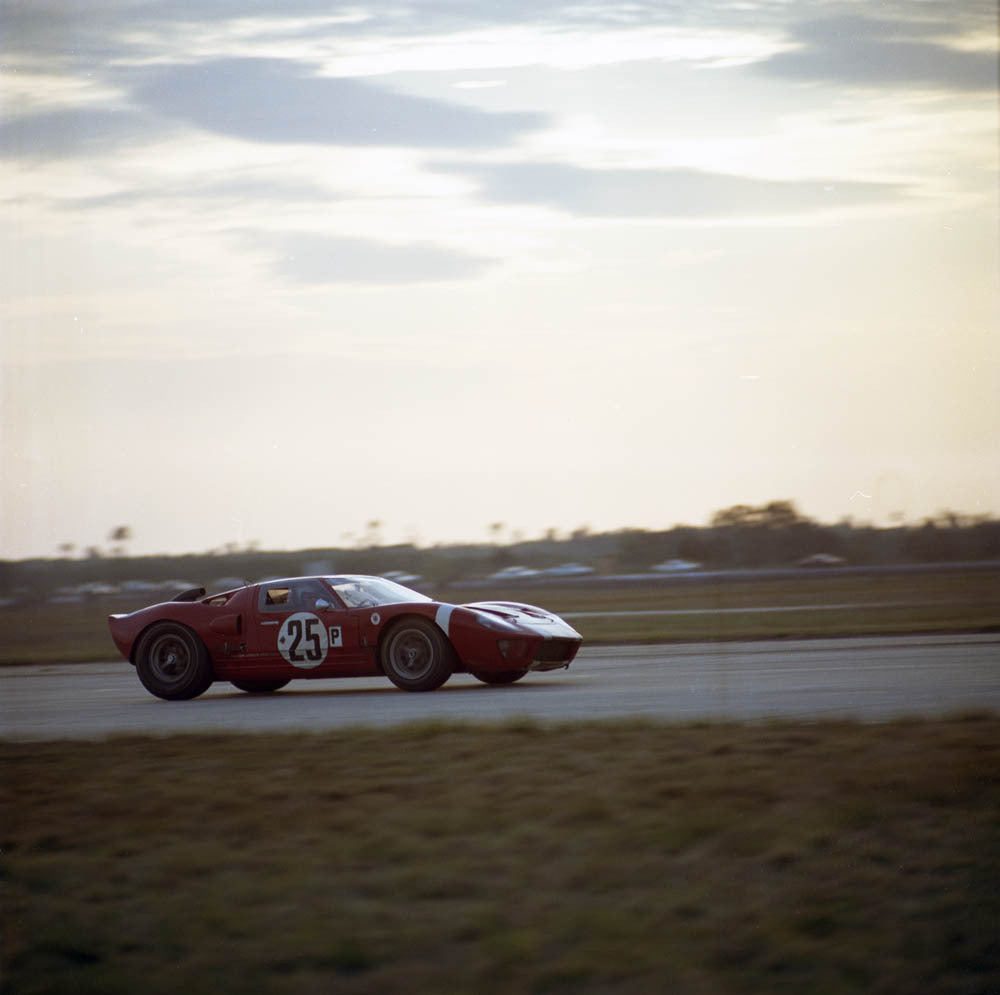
55	27
68	132
323	259
660	193
277	100
860	51
223	194
261	100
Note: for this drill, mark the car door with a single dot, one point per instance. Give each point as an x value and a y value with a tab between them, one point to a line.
302	630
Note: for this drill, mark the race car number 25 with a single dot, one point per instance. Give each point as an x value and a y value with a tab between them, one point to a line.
303	640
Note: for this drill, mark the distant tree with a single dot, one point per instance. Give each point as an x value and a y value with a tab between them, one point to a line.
737	516
693	545
780	514
776	514
118	537
769	533
496	531
66	548
926	544
635	550
501	557
373	535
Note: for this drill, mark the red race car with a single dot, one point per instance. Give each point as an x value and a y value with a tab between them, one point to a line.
262	636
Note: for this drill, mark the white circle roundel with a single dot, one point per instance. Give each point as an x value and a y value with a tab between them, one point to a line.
302	640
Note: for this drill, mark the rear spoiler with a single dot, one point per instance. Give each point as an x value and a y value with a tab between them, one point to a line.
192	594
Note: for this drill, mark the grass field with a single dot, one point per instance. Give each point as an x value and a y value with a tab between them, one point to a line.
963	600
520	858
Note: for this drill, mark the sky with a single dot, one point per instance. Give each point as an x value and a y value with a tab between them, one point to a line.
276	270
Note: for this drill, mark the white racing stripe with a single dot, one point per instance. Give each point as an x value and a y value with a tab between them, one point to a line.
548	626
443	618
553	628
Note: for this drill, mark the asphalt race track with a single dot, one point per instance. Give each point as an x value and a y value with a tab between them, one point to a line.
868	679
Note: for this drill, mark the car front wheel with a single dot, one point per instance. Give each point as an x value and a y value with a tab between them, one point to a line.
416	656
172	662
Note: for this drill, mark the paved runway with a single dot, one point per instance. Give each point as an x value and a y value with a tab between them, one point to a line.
868	679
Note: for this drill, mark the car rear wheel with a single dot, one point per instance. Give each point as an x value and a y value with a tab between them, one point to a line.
260	687
498	676
416	656
172	662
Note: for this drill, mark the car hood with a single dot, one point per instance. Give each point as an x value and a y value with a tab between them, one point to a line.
526	616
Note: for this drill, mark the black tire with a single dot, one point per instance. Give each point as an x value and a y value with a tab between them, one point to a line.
172	662
498	676
415	655
260	687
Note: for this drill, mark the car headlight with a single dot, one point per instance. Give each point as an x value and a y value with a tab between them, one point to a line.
495	624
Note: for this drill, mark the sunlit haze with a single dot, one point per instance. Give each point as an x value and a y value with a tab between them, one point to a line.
272	272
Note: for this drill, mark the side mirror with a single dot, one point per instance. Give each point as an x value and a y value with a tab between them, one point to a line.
323	604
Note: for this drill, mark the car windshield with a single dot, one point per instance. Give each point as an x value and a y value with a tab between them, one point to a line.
368	592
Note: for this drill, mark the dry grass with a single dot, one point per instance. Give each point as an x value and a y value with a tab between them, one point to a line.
626	857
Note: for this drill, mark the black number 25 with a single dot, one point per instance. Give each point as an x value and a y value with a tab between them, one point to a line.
305	643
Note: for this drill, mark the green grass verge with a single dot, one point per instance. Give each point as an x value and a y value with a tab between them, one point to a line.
519	858
719	609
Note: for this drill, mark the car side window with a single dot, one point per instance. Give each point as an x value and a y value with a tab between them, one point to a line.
305	595
308	595
275	599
